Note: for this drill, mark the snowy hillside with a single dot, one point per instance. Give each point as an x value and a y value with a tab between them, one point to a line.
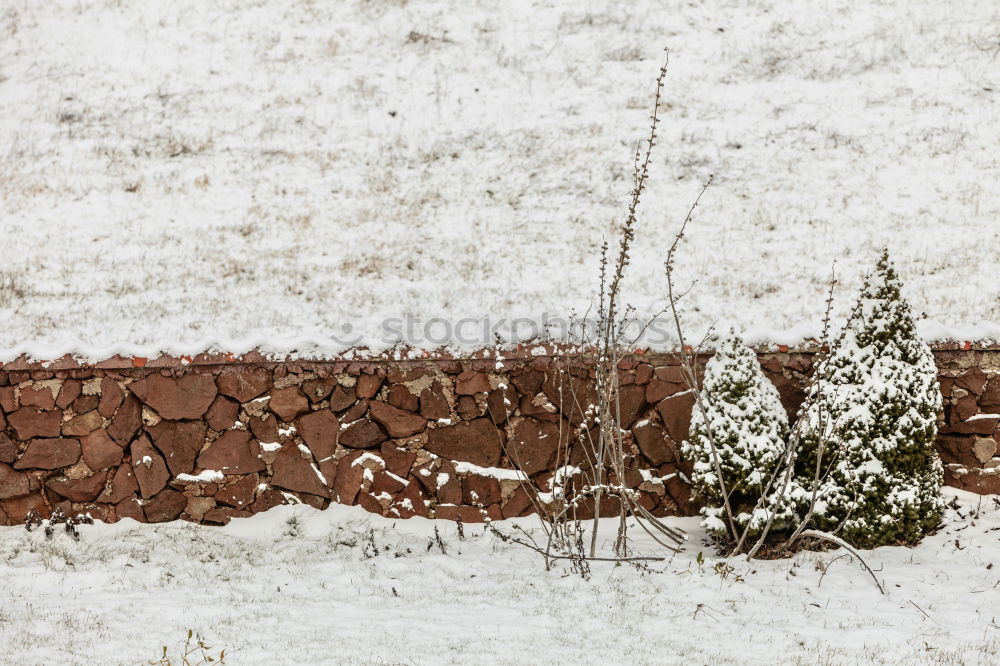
178	173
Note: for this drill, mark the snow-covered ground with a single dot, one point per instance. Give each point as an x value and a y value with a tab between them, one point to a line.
176	173
294	586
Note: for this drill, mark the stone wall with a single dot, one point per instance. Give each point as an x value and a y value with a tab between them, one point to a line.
212	438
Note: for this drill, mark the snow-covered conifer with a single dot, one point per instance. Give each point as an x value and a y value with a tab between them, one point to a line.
873	416
750	429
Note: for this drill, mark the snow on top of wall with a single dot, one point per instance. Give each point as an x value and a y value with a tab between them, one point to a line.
300	177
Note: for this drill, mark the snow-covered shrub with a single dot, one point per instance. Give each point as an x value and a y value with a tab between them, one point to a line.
750	429
871	421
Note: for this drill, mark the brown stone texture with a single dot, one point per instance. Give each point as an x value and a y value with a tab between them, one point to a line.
288	403
167	505
383	434
368	386
99	450
111	398
433	402
294	470
49	454
12	483
320	431
480	490
180	443
41	397
675	412
232	453
533	445
397	422
185	397
123	484
126	421
245	384
240	492
79	490
150	471
362	434
69	392
478	442
30	422
222	413
341	398
84	424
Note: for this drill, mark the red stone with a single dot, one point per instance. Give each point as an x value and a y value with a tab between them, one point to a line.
357	411
362	434
398	423
398	461
49	454
341	399
400	397
317	389
433	404
409	502
126	421
246	384
367	386
471	382
657	390
386	483
166	506
84	424
222	413
180	443
292	471
265	429
288	403
653	443
123	485
528	382
368	502
100	451
41	398
478	442
972	380
497	409
12	484
8	449
29	422
675	412
111	397
631	403
533	445
130	508
86	403
319	430
239	493
79	490
231	453
185	397
8	401
150	471
990	399
519	504
480	490
348	479
18	508
468	409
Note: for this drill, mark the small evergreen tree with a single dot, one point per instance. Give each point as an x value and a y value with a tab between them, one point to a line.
871	422
750	429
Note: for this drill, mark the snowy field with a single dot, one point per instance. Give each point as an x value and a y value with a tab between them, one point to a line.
177	174
294	586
